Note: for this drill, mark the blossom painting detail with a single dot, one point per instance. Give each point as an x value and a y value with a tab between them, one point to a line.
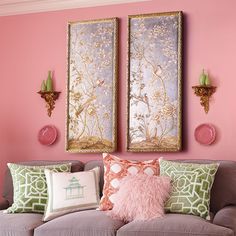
154	82
91	87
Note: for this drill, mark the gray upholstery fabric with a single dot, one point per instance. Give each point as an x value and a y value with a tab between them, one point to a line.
90	165
8	186
19	224
174	225
226	217
4	204
223	190
83	223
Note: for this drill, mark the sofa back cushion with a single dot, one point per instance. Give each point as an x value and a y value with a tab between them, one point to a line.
97	163
223	192
8	185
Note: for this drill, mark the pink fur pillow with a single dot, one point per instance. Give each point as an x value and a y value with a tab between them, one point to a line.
141	197
115	169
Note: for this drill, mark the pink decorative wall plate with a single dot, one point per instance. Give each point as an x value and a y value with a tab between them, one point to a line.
205	134
47	135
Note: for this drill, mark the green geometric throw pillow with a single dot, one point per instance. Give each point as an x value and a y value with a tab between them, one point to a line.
30	188
191	187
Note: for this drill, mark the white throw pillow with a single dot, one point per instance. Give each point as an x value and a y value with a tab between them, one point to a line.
70	192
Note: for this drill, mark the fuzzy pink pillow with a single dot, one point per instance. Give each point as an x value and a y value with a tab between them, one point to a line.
141	197
115	169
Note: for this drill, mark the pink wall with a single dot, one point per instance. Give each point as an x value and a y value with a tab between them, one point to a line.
32	44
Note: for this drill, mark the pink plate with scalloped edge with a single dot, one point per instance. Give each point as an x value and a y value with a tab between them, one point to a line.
205	134
47	135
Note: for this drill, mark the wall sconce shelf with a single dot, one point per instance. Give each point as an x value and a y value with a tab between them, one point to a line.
50	97
204	92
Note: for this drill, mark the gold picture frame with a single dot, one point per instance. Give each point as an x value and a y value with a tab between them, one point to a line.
91	125
154	107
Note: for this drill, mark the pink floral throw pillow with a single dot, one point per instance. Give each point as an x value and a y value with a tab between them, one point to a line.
115	169
141	197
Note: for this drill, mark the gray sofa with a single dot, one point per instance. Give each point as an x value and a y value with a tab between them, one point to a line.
97	223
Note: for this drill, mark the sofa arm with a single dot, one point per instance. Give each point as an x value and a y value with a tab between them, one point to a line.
226	217
4	204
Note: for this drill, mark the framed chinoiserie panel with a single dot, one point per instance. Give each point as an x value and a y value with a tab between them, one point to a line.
92	86
154	82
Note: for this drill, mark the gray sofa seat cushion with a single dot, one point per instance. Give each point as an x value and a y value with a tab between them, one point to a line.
19	224
83	223
174	225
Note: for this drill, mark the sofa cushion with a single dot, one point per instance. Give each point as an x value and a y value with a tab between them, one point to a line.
4	204
191	187
141	197
19	224
174	225
8	185
70	192
116	169
96	163
30	188
83	223
223	192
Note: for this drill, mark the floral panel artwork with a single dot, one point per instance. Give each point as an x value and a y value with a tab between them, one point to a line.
92	86
154	82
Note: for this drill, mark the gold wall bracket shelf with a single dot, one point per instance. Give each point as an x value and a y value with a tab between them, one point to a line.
204	92
50	98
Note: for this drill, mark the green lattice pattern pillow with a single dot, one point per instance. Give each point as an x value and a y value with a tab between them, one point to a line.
30	188
191	187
